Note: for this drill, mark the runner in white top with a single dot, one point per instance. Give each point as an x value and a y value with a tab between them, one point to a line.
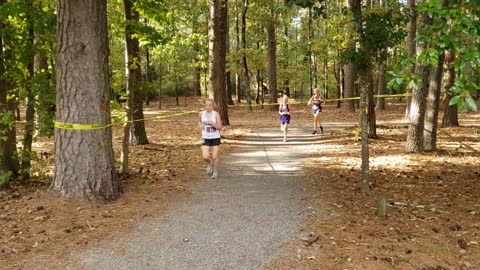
210	124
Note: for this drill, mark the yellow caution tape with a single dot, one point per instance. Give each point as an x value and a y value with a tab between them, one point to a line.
71	126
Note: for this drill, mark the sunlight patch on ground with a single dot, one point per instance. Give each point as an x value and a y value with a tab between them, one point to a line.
381	161
258	154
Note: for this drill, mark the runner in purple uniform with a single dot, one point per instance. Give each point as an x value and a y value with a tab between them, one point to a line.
316	101
284	112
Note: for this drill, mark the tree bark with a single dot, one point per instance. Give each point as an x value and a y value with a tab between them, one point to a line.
84	163
433	102
30	99
244	56
411	44
382	85
8	155
450	112
217	55
272	62
138	135
237	50
349	78
364	78
228	74
414	143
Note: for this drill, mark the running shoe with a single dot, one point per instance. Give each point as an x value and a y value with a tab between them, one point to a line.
210	169
321	129
215	175
314	132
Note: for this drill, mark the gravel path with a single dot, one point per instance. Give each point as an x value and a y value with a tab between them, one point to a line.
235	222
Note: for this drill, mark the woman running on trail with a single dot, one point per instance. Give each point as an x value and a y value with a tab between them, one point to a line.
284	112
210	124
316	101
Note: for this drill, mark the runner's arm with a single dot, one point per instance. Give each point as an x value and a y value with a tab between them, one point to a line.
218	125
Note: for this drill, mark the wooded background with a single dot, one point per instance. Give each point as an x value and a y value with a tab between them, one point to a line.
78	63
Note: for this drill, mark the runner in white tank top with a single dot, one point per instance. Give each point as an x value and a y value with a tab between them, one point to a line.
210	124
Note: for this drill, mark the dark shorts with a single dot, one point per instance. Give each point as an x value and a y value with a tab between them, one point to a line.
211	142
284	119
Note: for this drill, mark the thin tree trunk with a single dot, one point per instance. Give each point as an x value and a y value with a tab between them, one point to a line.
228	75
84	163
30	102
450	112
272	61
244	56
411	44
237	50
138	134
433	102
365	86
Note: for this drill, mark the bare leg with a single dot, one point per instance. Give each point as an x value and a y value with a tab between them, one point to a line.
215	158
285	131
317	117
206	153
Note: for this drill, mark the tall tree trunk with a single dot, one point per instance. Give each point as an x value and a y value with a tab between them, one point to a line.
228	74
411	44
196	61
433	102
217	55
349	76
30	100
286	81
84	163
450	112
244	56
138	135
364	81
416	117
272	61
237	50
8	155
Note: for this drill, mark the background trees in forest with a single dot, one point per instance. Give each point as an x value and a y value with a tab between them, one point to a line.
274	47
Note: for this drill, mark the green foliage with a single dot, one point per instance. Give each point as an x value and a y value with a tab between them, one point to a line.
461	36
5	177
317	6
356	56
383	30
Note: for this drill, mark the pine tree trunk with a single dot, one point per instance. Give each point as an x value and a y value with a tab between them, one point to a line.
84	163
217	55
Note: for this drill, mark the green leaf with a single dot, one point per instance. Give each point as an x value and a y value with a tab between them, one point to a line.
454	100
471	104
460	104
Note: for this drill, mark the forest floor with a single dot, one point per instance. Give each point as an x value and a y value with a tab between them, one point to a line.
433	200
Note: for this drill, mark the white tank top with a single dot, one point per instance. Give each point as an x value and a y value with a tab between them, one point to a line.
209	132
